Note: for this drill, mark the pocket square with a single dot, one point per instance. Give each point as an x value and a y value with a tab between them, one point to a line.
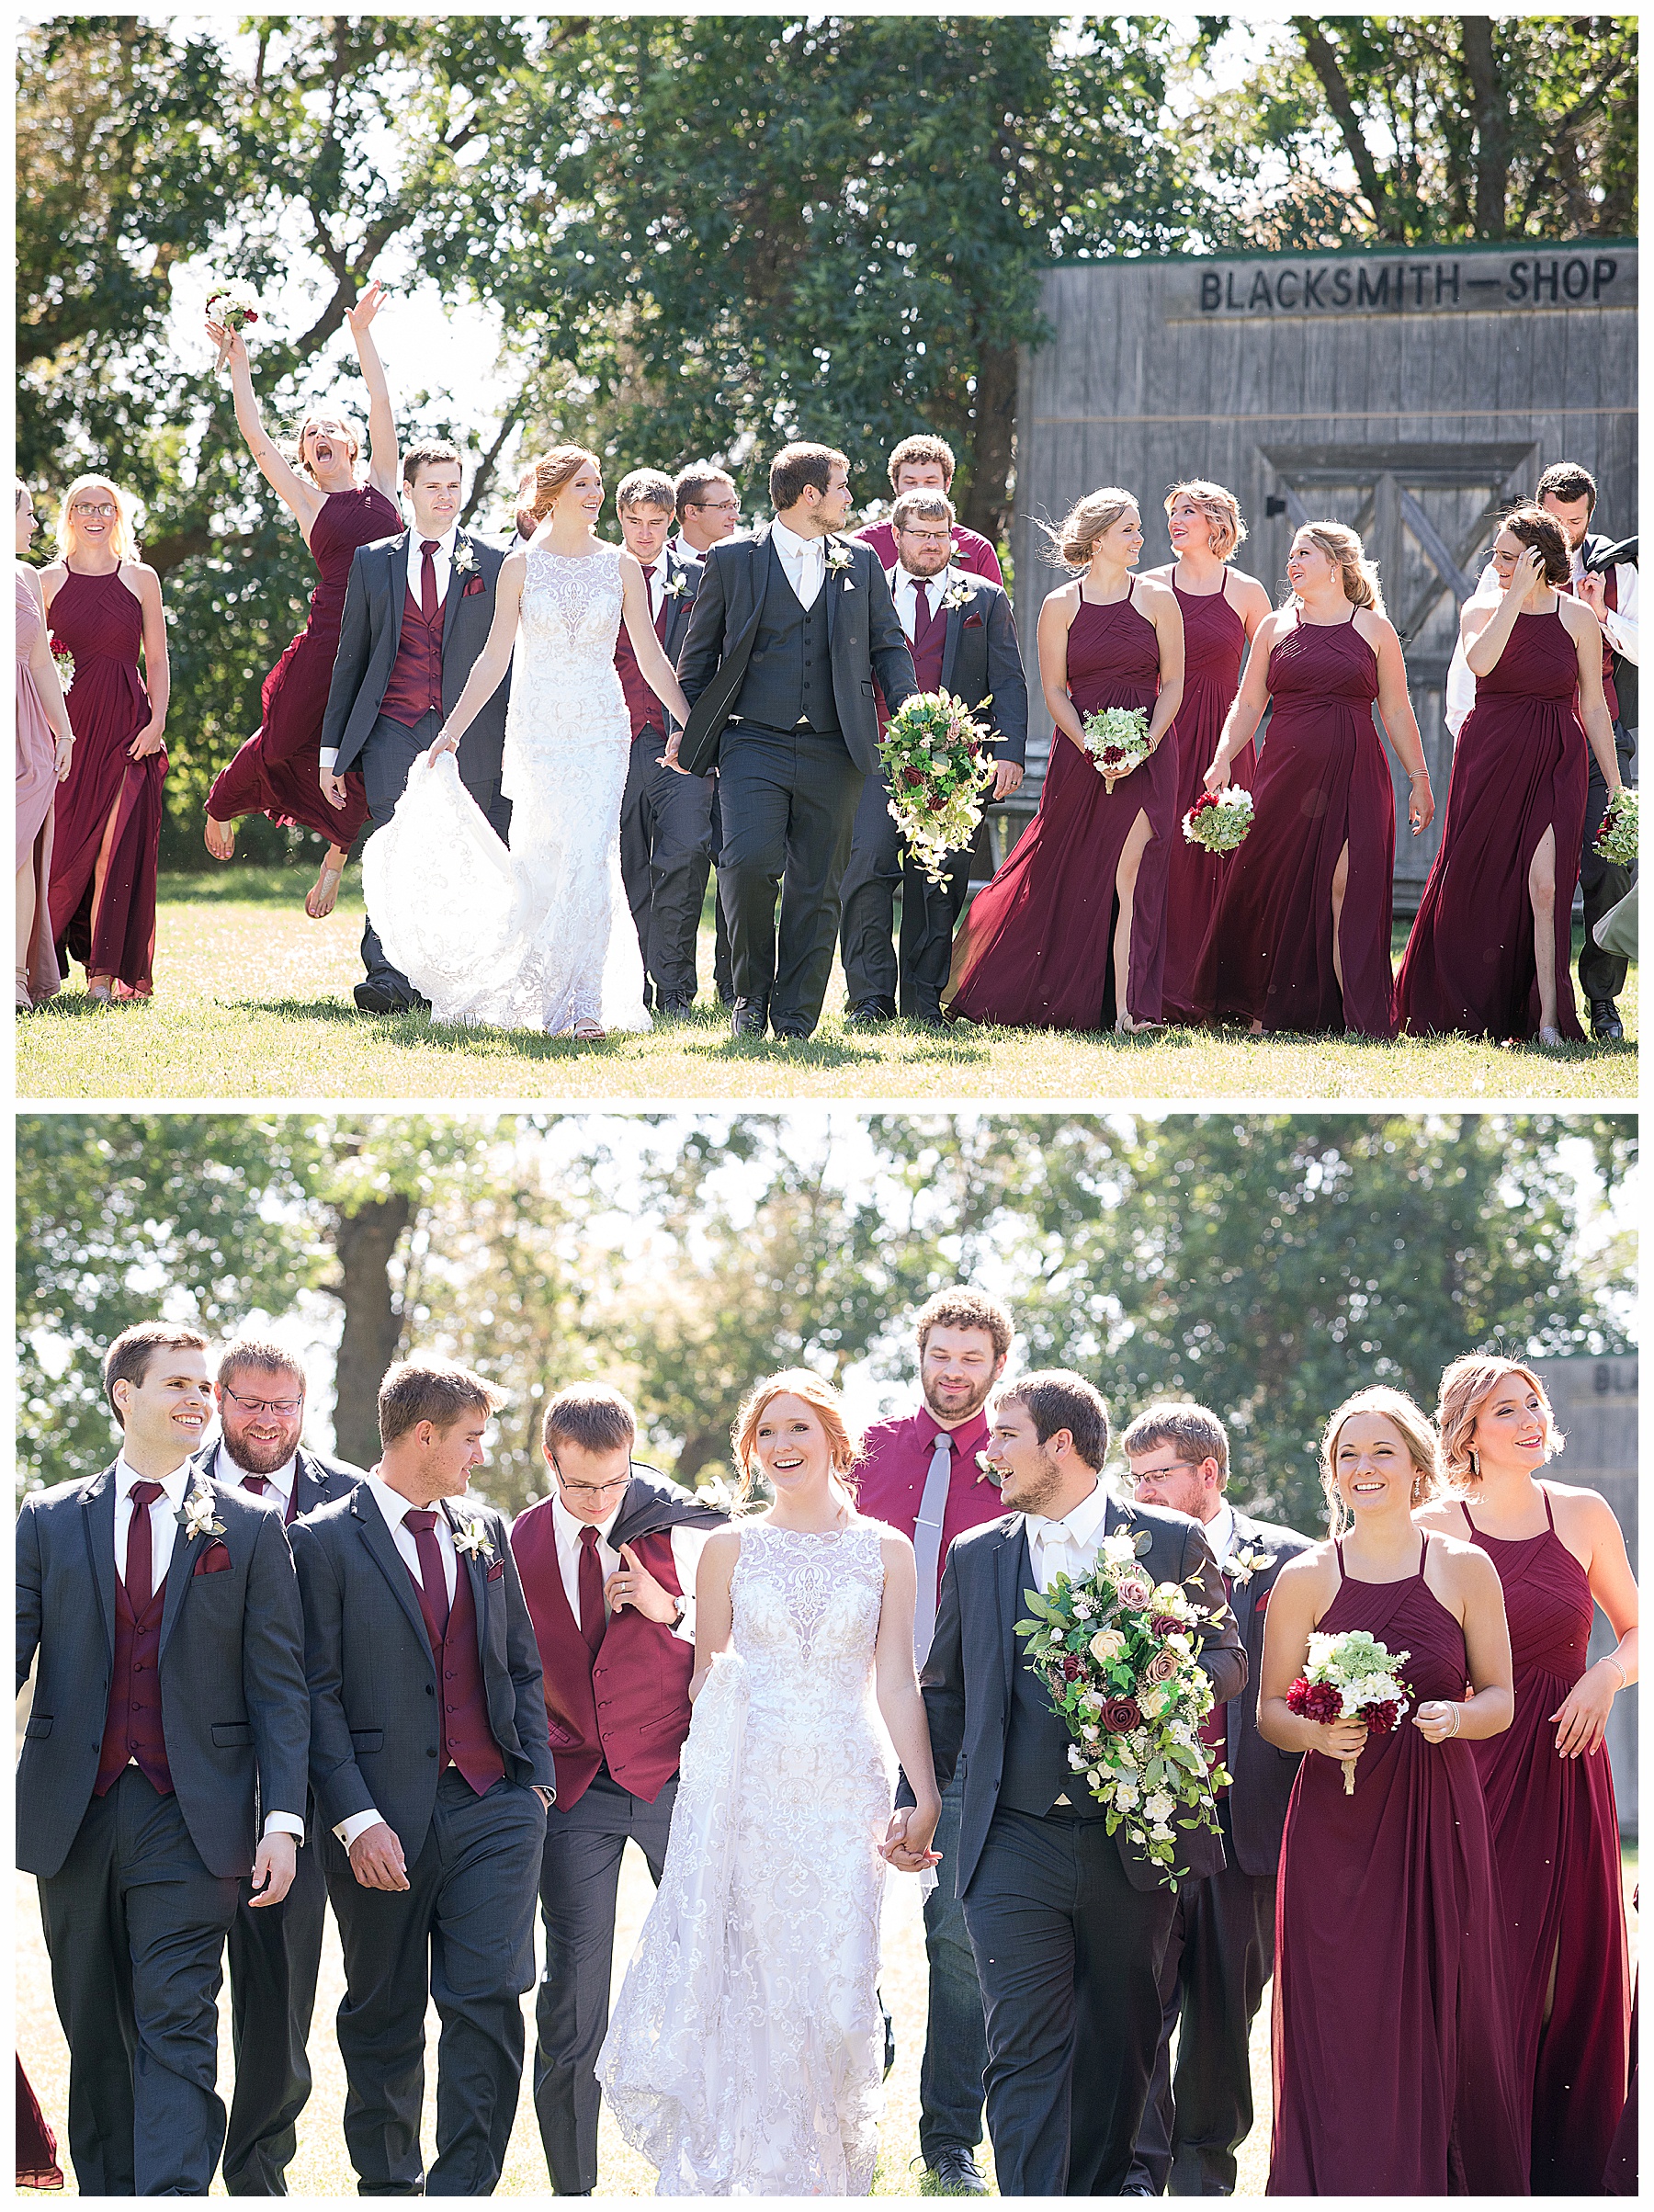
214	1560
477	583
1262	1600
496	1570
973	621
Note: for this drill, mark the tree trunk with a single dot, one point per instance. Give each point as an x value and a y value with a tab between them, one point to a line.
365	1242
1492	157
987	503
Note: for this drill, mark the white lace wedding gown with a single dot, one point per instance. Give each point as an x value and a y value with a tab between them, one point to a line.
745	2057
541	936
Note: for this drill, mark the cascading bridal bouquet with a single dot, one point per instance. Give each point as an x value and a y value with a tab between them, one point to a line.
1117	739
936	766
234	306
1121	1656
1218	821
1350	1675
1616	840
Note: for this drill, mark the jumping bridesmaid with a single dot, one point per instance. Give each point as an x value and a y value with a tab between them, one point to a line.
278	771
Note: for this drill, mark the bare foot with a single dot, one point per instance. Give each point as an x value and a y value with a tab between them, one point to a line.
101	988
1126	1026
324	893
1551	1040
220	838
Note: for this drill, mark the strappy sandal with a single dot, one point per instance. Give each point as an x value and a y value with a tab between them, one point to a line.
588	1032
322	895
1551	1041
225	829
103	990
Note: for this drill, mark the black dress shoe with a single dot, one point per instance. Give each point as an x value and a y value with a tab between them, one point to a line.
1605	1024
953	2172
374	997
870	1014
674	1010
749	1018
790	1029
926	1018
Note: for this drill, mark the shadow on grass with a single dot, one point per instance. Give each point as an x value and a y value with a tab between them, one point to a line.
255	884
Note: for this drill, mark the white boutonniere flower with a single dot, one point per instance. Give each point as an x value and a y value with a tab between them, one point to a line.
465	558
959	594
1246	1563
675	586
196	1516
473	1537
839	558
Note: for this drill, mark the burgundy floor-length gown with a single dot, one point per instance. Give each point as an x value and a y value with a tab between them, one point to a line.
1037	947
1394	2063
38	2165
1555	1837
1321	782
1214	648
277	771
37	794
106	800
1520	768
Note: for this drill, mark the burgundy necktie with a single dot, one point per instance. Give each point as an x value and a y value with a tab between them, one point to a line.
140	1581
423	1522
921	612
258	1484
427	578
591	1622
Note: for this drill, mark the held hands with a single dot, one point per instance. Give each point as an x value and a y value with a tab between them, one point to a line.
906	1846
1582	1716
150	739
1438	1719
274	1863
376	1858
632	1584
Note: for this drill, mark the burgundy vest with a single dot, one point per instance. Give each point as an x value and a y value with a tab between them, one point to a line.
463	1732
132	1727
627	1708
416	686
927	651
646	711
1610	599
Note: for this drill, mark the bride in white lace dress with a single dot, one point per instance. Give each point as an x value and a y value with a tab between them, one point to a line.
539	936
745	2057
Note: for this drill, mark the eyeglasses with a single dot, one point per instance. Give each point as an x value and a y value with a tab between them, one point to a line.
1148	1473
286	1407
105	509
717	506
590	1490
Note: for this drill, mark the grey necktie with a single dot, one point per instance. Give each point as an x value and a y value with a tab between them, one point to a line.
927	1545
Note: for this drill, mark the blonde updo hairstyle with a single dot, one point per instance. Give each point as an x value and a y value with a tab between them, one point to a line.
1073	541
1221	509
124	542
1343	549
554	471
1411	1423
352	437
1465	1388
815	1390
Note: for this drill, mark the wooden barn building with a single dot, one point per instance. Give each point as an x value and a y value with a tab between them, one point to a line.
1411	395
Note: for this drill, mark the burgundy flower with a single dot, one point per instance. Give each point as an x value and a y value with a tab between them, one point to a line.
1164	1624
1120	1716
1381	1718
1314	1700
936	802
913	777
1070	1668
1112	753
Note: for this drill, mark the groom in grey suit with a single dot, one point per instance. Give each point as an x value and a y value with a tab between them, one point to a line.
419	608
790	627
1069	1924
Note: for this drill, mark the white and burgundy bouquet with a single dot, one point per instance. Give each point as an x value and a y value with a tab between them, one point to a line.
64	661
1218	821
1116	738
234	307
1348	1675
1616	840
937	767
1120	1654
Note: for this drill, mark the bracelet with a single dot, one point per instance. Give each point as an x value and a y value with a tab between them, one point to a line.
1609	1660
1455	1710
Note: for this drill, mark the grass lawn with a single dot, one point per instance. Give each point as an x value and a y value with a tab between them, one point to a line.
252	1000
321	2168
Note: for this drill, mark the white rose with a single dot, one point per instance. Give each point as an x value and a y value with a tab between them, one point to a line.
1159	1806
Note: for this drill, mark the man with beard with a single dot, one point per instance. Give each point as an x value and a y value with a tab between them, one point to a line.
920	1475
274	1953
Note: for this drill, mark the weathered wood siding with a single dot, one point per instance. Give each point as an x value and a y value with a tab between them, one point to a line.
1411	395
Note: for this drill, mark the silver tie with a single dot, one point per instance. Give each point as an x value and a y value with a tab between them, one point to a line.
927	1545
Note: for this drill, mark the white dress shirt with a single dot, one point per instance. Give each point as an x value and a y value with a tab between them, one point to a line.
1619	625
1069	1546
163	1528
1220	1533
907	603
394	1506
804	560
686	1546
654	583
280	1478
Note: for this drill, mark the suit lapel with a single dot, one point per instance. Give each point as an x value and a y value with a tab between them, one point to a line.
457	579
381	1546
98	1520
950	643
181	1567
396	584
1013	1551
471	1563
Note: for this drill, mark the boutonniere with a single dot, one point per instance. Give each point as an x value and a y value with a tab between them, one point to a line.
473	1539
465	558
839	558
960	595
1246	1563
676	585
196	1516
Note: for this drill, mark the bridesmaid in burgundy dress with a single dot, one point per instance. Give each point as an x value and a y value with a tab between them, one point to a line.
1548	1786
1395	2070
45	747
38	2165
1300	936
1222	609
1492	941
104	607
278	771
1066	935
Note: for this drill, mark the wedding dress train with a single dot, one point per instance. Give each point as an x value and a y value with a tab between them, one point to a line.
539	936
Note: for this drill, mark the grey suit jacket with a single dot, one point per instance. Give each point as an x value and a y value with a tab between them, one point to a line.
373	1683
370	633
981	664
1263	1775
967	1675
316	1479
234	1710
864	639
